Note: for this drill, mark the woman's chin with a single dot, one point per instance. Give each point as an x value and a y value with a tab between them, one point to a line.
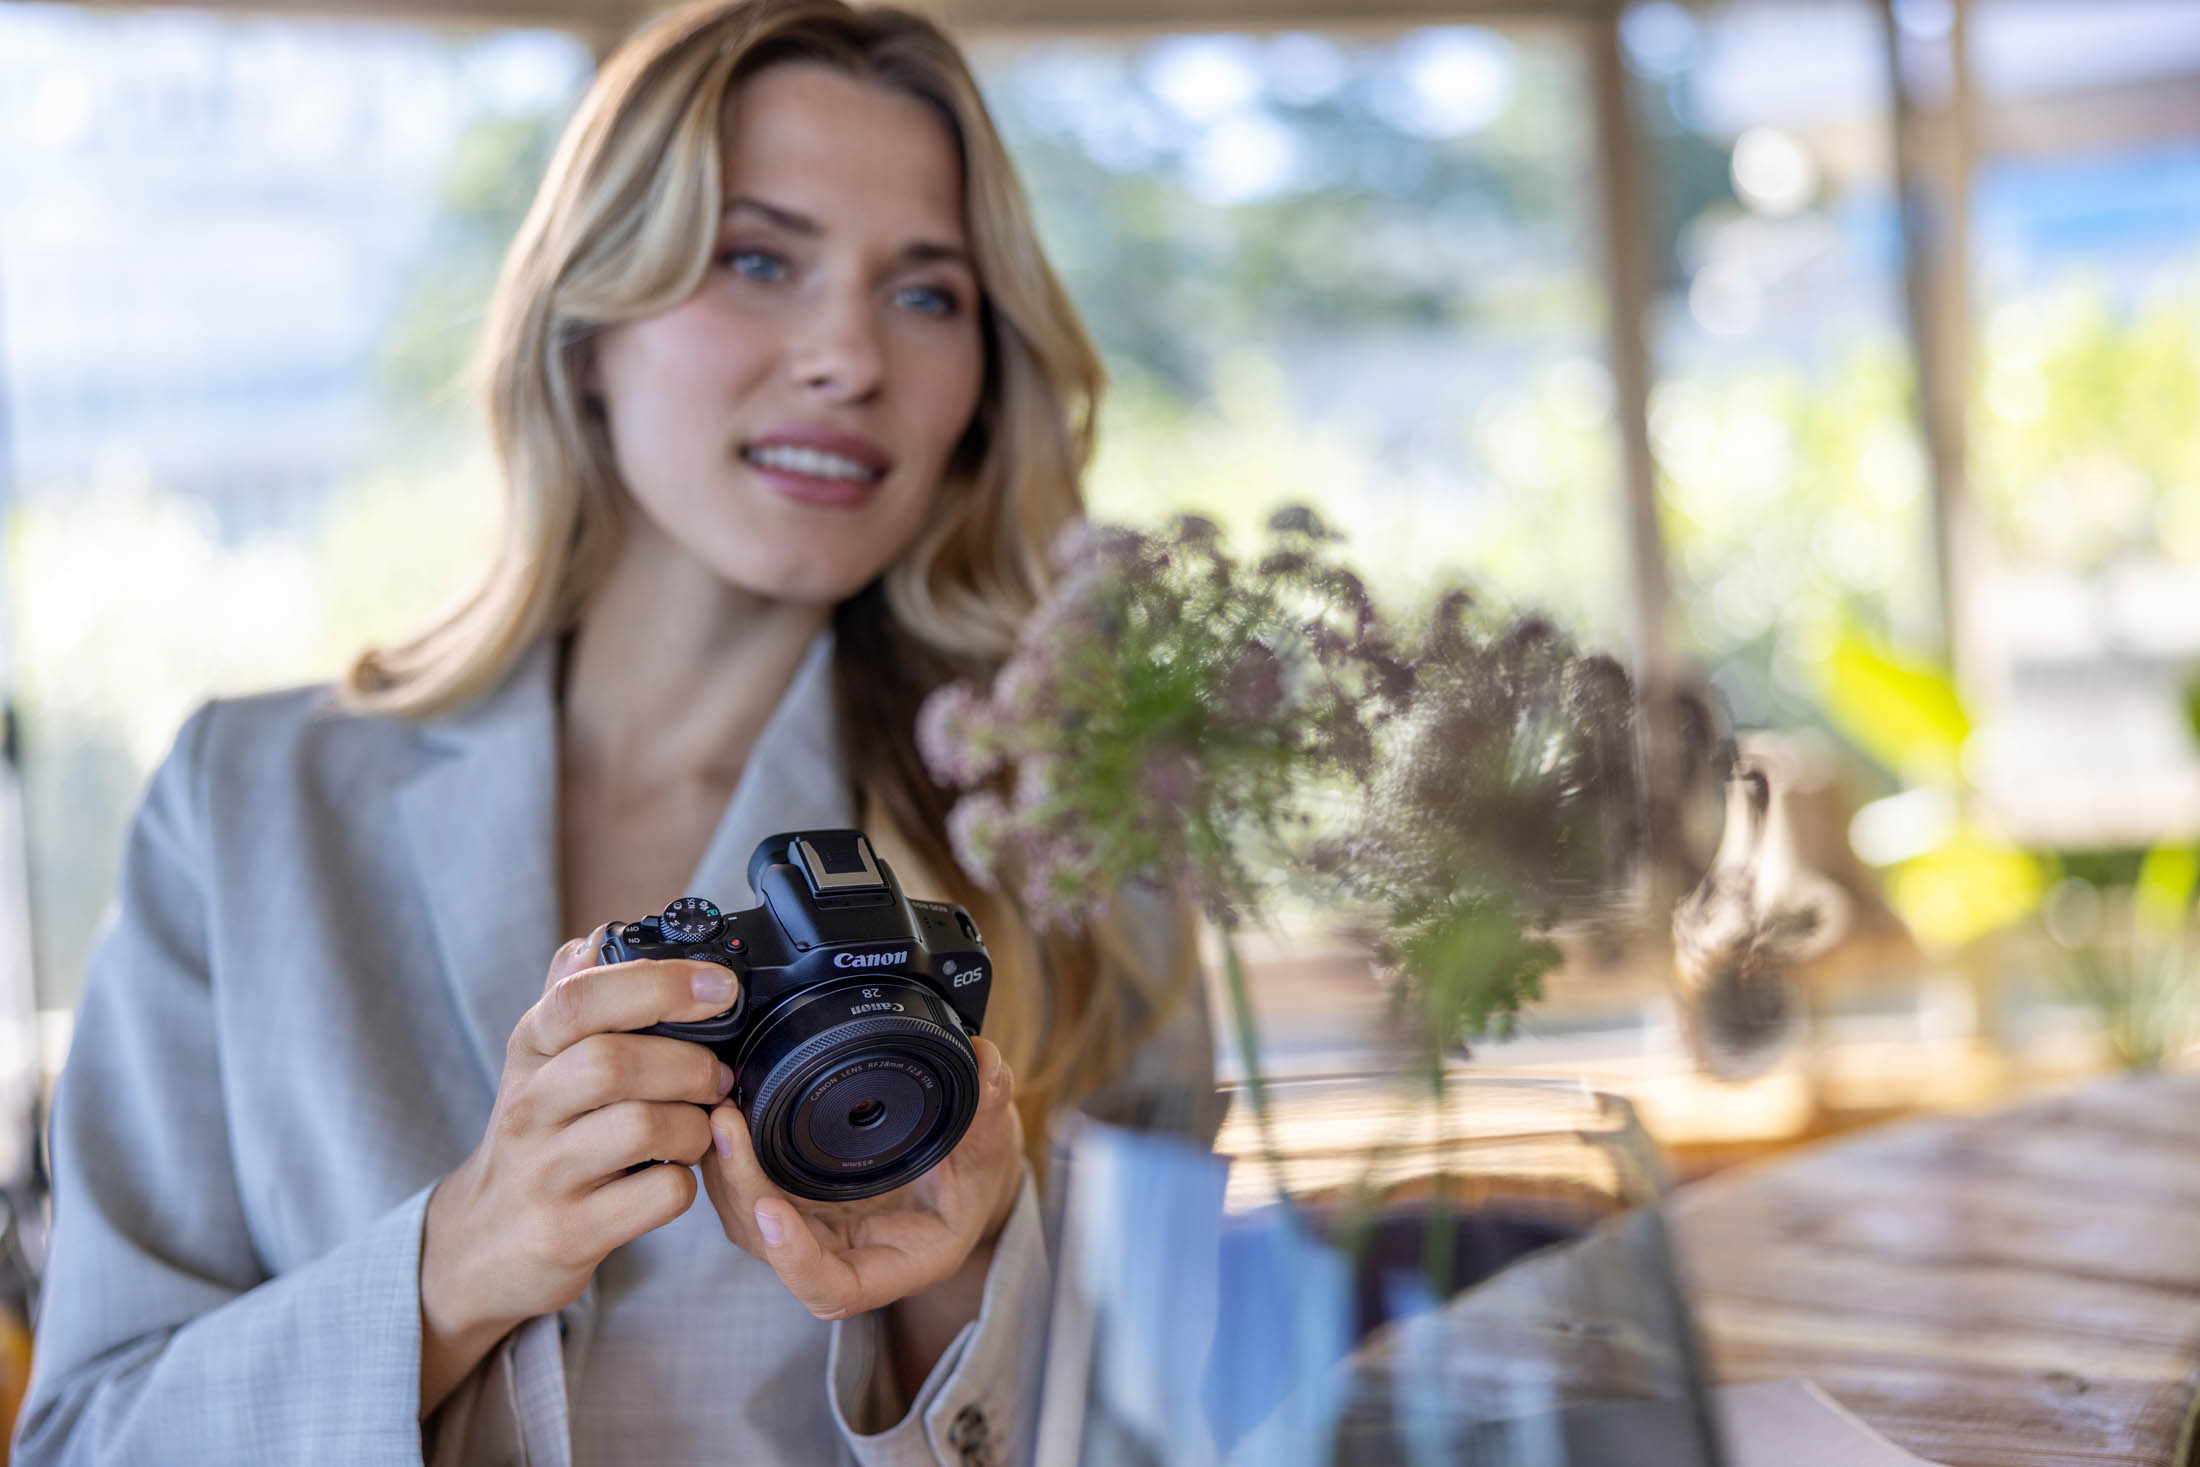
821	583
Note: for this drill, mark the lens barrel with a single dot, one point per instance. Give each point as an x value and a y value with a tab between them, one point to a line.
857	1086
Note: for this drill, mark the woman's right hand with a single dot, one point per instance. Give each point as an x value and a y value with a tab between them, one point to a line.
519	1227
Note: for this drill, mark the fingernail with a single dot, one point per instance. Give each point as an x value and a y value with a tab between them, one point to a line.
725	1082
720	1140
713	986
767	1223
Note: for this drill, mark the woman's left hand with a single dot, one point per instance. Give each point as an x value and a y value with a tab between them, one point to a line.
844	1258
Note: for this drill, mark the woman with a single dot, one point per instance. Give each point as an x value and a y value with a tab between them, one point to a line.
789	406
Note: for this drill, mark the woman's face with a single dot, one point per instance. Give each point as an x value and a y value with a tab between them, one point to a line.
787	425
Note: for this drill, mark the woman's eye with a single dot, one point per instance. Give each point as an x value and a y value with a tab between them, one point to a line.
754	264
932	300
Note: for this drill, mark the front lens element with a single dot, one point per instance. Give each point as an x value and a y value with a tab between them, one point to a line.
858	1087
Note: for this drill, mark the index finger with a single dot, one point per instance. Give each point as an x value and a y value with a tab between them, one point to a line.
621	997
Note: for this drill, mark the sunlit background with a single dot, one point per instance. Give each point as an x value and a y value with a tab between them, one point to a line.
242	259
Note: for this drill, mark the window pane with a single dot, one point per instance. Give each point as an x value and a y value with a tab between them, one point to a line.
2085	445
1347	271
1790	469
238	259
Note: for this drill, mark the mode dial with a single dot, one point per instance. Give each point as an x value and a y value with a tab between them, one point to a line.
692	919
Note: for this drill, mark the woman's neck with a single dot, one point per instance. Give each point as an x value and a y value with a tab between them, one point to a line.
672	674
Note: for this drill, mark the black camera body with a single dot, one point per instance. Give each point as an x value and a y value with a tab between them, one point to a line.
850	1041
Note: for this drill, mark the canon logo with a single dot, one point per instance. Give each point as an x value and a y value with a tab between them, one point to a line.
870	960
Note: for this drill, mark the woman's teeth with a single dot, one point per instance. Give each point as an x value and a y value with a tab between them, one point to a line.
815	462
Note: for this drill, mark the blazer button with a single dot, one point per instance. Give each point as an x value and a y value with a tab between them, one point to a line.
970	1434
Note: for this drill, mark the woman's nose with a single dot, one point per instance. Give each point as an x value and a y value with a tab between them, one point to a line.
838	351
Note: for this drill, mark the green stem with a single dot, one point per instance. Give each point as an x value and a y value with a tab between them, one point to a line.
1437	1242
1248	1038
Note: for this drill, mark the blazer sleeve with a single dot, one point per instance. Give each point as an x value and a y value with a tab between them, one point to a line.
161	1336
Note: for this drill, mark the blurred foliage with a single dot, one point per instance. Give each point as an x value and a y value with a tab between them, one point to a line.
1901	711
181	614
1241	451
2165	886
1905	714
1373	218
486	188
2086	442
1970	884
1693	171
2128	952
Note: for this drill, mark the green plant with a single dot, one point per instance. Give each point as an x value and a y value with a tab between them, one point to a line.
2129	952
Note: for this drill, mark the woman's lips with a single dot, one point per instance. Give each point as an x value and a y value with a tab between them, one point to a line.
810	489
813	488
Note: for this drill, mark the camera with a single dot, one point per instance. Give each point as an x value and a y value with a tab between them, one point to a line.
850	1041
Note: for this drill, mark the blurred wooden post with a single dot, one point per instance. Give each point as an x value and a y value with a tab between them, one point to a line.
1625	178
1932	163
1630	245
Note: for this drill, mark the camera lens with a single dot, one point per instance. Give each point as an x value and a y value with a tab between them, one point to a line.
857	1087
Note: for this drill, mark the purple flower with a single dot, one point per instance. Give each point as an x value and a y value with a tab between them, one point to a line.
1253	688
1081	546
1072	617
1063	885
1300	519
977	830
1023	690
1170	784
1075	545
1038	778
1196	529
958	737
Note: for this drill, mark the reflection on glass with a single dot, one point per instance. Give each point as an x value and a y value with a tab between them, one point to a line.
1390	1283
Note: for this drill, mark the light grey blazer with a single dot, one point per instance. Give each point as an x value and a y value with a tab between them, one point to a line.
294	1024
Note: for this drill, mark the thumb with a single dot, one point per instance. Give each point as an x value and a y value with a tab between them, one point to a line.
576	956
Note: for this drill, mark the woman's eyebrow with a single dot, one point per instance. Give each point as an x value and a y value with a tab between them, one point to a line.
793	223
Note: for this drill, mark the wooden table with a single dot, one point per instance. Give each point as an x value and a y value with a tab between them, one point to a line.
2016	1289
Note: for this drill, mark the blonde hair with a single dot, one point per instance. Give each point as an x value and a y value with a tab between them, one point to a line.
623	228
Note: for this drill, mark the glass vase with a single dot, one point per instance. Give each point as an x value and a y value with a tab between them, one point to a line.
1361	1274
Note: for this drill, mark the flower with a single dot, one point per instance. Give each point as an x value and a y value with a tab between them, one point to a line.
1174	716
1300	520
1157	711
1064	884
1252	691
958	737
1169	783
977	832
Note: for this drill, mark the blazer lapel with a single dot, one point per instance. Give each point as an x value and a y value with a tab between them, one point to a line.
481	822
